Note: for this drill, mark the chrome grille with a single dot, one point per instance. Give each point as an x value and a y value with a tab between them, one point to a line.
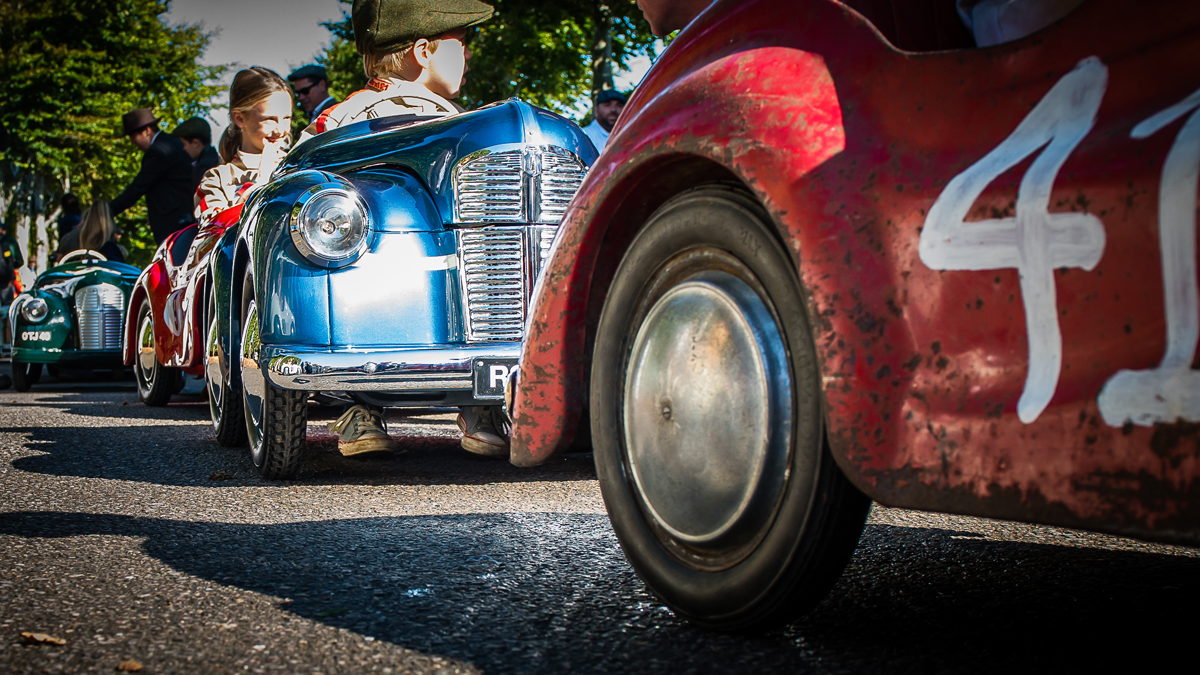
562	175
494	287
99	309
488	188
533	184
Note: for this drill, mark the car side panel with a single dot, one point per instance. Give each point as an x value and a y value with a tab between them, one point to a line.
195	292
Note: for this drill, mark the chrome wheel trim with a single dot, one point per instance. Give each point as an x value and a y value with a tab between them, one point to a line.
146	361
253	382
707	414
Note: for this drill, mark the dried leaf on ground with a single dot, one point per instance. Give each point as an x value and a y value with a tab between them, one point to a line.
221	475
129	665
42	638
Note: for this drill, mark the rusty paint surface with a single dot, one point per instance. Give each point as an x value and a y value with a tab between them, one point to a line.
848	143
177	294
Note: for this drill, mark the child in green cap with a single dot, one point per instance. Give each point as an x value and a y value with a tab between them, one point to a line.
414	51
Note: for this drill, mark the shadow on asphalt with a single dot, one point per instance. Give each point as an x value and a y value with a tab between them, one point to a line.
523	593
188	454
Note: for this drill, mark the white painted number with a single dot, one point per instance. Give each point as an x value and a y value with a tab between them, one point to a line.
35	336
498	375
1036	241
1172	391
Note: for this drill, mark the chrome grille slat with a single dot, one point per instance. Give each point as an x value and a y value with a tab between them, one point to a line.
100	310
494	284
543	238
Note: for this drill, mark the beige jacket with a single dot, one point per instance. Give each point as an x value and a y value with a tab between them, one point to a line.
227	185
380	98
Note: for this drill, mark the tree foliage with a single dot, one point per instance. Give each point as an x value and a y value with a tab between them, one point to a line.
70	70
551	53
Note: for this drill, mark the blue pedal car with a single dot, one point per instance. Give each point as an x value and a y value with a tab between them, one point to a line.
389	262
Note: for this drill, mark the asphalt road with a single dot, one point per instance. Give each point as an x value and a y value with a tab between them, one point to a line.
127	532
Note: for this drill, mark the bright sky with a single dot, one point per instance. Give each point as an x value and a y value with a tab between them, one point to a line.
282	35
279	34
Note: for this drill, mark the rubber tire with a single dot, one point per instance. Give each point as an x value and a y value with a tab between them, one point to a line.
816	525
156	387
281	440
228	423
25	375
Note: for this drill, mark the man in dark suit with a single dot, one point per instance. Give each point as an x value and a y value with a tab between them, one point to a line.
165	178
197	142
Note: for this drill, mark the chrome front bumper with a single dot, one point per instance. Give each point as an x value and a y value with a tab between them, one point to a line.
395	370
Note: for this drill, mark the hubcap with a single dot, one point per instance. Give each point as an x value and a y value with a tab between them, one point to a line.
708	412
146	360
253	384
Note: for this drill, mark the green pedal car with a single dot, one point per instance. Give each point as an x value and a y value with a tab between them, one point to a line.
71	317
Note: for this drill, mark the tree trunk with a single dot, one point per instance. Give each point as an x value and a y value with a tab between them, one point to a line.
43	238
23	202
602	70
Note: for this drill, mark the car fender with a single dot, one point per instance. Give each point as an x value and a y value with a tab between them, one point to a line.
292	294
154	283
221	273
52	334
710	125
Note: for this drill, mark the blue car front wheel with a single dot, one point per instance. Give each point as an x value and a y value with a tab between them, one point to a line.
224	397
276	419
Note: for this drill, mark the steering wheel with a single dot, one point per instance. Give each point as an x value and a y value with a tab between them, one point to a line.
82	254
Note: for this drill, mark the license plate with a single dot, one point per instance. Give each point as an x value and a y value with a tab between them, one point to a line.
490	377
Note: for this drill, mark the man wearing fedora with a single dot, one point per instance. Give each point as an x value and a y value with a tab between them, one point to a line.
165	178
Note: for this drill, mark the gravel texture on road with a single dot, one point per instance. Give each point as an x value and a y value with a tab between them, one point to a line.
129	533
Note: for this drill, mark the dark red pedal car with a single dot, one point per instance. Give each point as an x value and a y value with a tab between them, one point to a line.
834	253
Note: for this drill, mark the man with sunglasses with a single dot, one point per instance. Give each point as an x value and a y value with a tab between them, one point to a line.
414	51
312	90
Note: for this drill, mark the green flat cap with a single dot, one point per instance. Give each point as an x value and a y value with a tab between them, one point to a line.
194	127
308	72
386	26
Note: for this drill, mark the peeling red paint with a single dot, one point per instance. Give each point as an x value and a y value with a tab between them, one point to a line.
848	143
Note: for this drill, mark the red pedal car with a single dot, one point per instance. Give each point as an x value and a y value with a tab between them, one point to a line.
836	252
165	324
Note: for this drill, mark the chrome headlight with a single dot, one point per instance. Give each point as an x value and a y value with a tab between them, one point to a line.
330	226
34	310
530	185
